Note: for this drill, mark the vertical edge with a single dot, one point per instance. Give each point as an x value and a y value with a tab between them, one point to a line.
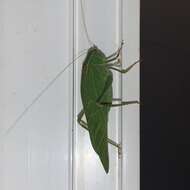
119	79
75	53
74	99
131	136
71	111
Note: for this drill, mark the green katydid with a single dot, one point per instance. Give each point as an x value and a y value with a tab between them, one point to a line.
96	94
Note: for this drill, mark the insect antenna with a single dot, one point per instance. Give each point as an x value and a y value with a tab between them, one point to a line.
38	96
45	89
84	24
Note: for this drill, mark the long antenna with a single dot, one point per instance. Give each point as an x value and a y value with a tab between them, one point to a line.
84	24
42	92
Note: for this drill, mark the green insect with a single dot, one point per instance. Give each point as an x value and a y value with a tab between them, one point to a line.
97	98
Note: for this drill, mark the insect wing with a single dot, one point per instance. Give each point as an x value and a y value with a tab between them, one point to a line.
93	81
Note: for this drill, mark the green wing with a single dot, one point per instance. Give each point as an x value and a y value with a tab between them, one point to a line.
96	85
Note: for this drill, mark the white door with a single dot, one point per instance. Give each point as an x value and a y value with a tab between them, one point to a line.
41	145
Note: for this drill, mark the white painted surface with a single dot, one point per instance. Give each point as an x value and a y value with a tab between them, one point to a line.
131	91
36	42
34	47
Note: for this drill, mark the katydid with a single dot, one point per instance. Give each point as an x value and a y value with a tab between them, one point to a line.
96	94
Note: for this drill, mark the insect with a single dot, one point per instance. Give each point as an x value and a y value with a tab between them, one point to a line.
97	98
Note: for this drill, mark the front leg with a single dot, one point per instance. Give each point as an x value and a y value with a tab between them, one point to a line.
124	70
115	55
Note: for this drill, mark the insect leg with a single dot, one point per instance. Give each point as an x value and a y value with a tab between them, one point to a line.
85	126
114	58
80	121
123	103
116	54
100	101
114	64
125	70
116	99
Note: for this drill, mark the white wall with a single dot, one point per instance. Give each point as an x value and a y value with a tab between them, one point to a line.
37	39
34	47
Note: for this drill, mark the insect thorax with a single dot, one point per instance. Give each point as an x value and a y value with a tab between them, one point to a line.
95	56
